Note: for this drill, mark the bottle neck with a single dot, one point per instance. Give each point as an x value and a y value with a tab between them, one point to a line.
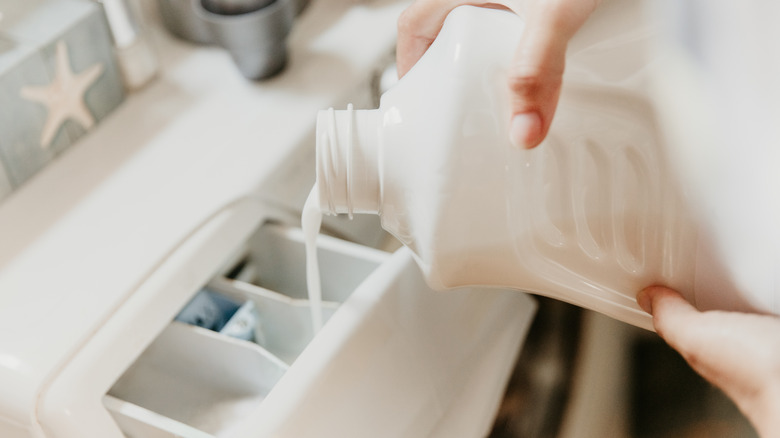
347	161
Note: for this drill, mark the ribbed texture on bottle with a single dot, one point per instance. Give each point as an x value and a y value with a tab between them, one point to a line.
347	161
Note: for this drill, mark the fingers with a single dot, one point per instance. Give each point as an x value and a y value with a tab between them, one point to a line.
421	22
671	313
701	338
417	28
537	69
685	329
740	353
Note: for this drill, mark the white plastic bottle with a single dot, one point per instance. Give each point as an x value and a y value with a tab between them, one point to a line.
590	217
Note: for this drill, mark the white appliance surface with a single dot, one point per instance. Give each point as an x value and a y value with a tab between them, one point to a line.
78	240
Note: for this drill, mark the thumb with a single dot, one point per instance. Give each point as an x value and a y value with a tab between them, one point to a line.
740	353
537	70
709	341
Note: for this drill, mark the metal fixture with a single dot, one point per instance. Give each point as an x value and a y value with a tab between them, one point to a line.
254	32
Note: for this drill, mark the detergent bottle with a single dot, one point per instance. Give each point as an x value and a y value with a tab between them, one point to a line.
591	216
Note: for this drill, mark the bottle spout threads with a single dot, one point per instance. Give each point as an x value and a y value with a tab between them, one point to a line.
347	161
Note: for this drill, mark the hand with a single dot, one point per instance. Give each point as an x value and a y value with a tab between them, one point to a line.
537	70
738	352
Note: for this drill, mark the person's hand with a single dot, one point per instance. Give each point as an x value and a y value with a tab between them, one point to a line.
738	352
537	70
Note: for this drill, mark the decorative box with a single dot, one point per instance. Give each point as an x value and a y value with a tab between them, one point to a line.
58	78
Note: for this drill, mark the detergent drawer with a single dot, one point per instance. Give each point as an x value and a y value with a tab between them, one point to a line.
392	353
195	381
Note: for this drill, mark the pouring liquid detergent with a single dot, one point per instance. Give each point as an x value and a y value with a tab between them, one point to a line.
590	217
311	221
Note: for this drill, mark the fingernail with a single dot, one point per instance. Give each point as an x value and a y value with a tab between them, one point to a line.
526	130
644	301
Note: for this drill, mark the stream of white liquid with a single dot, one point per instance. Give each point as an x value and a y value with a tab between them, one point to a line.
311	221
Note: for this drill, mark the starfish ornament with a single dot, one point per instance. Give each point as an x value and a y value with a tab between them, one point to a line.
64	96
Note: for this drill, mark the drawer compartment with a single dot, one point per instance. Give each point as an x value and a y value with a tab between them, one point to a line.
200	378
196	381
284	325
277	258
136	421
